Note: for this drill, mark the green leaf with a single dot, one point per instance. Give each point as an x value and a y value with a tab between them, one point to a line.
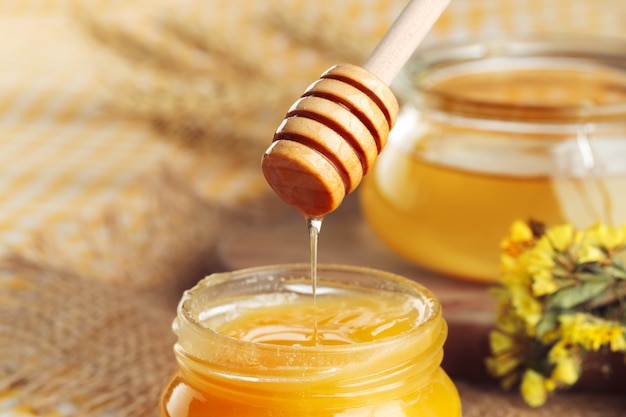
598	275
572	296
548	322
616	272
565	282
561	273
603	299
618	260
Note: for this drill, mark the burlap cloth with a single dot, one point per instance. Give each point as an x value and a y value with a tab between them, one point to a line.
122	162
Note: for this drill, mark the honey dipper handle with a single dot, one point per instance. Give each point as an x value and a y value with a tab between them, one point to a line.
403	37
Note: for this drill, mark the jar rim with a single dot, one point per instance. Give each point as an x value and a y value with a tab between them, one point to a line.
445	60
429	316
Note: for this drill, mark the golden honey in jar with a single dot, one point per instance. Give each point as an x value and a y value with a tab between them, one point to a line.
491	131
258	342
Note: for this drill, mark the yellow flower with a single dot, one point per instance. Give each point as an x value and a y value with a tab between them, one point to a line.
618	340
543	283
511	265
541	256
590	253
534	388
550	384
526	307
500	342
566	365
592	333
561	237
550	336
542	335
559	350
604	236
520	232
566	371
520	236
502	365
508	321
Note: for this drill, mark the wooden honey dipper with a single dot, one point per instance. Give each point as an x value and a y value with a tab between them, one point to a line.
332	135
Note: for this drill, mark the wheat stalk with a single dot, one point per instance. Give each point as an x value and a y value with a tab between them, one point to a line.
206	92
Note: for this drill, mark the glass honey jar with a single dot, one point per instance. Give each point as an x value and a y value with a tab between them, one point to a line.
258	342
495	130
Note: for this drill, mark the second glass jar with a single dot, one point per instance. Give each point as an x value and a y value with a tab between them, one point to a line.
491	131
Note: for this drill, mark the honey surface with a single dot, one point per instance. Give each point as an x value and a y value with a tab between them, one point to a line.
334	318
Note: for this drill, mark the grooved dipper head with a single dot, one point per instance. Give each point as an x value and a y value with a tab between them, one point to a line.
329	139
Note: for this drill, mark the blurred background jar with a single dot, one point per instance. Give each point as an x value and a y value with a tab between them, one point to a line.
491	131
